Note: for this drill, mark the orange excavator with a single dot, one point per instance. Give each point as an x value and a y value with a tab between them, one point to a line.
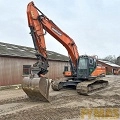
83	69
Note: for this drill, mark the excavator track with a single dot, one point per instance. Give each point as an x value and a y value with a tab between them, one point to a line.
91	87
57	85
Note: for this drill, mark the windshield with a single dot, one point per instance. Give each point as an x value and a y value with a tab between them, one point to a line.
82	63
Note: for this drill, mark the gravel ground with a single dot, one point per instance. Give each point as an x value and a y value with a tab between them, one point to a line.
63	105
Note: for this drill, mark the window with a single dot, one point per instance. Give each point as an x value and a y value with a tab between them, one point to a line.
83	63
26	69
91	61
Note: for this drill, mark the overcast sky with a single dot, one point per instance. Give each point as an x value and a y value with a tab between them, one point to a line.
94	25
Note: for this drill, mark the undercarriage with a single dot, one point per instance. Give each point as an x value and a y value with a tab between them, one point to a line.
84	87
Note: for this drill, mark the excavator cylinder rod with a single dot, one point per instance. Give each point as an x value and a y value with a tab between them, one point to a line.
36	88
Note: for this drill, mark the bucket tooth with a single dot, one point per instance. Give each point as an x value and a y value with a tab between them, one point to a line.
36	88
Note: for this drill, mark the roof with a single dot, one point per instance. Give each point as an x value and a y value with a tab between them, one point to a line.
27	52
109	63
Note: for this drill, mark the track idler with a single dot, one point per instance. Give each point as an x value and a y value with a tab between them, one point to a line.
37	88
57	85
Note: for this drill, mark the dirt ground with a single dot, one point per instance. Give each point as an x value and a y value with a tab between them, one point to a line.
63	105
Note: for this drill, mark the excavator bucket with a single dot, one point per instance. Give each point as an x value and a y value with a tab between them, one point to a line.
36	88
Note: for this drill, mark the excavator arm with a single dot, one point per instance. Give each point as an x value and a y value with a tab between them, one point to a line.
38	22
37	33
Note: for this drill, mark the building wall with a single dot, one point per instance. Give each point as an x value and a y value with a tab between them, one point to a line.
11	69
109	69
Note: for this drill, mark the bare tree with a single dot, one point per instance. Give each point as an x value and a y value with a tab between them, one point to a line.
111	58
118	60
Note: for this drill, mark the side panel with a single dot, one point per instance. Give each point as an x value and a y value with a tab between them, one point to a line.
100	70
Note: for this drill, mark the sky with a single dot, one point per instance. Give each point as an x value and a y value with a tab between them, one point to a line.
94	25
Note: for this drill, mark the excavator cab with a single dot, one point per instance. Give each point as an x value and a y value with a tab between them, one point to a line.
86	65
